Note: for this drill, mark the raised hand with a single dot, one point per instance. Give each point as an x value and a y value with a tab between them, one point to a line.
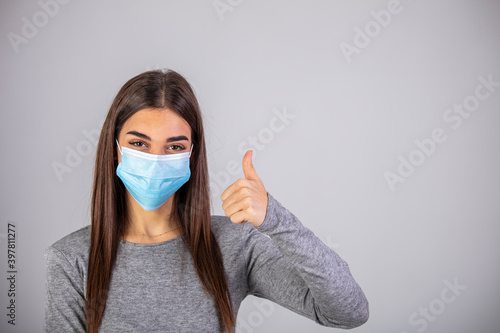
246	199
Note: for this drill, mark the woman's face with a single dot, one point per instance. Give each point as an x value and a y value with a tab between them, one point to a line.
155	131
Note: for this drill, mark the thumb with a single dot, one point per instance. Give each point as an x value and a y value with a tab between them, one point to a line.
248	168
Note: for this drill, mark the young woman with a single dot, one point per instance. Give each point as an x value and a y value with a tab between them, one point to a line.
154	259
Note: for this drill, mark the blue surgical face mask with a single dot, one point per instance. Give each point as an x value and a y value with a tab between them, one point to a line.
152	179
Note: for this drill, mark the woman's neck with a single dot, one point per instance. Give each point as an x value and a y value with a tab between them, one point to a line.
149	227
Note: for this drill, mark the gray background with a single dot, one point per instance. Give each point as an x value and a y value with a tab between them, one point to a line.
351	120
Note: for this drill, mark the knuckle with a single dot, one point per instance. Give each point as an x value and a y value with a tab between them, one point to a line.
243	182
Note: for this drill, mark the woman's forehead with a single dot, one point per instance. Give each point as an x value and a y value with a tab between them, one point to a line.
157	123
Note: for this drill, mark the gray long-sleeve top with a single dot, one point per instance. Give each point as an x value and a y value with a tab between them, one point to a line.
154	287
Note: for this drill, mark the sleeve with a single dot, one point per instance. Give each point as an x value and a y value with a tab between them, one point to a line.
65	298
295	269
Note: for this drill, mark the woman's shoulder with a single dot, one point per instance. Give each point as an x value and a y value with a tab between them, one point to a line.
232	235
222	226
73	247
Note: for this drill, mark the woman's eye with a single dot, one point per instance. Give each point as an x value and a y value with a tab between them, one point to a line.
137	143
178	147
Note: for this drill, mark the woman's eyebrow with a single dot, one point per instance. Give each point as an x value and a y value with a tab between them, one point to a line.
141	135
144	136
177	138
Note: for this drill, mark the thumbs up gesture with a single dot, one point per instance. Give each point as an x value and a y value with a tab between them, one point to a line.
246	199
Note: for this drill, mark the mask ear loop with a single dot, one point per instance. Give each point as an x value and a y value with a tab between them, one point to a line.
191	150
119	146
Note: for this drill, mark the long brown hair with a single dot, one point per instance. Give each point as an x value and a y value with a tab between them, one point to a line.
191	204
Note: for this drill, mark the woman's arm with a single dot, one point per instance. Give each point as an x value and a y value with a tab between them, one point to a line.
297	270
65	298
